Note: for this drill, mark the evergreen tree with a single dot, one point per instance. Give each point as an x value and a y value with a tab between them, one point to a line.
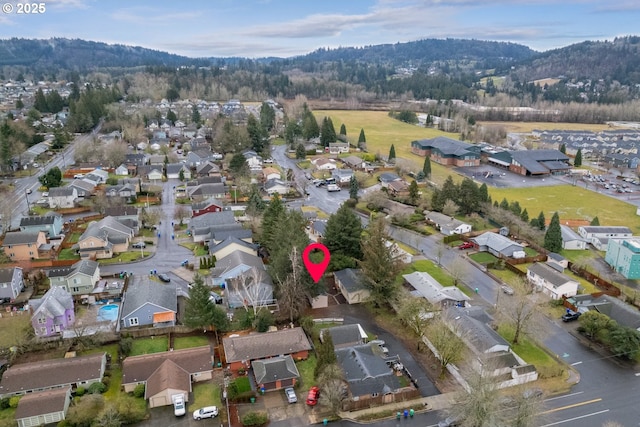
238	164
553	236
578	160
19	103
504	204
353	188
483	193
256	134
413	192
301	153
515	208
53	178
200	311
595	222
40	102
542	221
524	216
267	117
255	205
272	215
310	128
534	223
343	233
326	353
468	197
392	153
362	139
171	116
327	132
343	130
426	167
563	149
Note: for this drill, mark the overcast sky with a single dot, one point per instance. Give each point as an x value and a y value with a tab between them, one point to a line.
258	28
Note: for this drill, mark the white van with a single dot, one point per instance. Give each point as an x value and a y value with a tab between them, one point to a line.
206	412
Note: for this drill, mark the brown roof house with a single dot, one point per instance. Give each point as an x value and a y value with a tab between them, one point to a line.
240	351
275	373
52	374
43	407
167	374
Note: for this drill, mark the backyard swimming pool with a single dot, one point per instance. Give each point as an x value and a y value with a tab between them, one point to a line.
108	313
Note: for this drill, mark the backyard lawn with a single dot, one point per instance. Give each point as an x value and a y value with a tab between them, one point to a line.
13	328
149	345
306	369
189	342
571	203
68	253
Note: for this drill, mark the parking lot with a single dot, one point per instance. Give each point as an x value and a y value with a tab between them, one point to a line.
501	178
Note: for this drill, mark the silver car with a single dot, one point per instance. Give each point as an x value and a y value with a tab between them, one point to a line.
291	395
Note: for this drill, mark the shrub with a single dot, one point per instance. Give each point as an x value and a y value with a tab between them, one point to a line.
264	319
64	423
4	403
13	401
255	418
97	388
80	391
124	346
130	411
106	381
139	390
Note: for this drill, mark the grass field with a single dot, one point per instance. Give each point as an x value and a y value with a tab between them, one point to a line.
12	328
149	345
527	127
571	203
306	369
180	343
205	394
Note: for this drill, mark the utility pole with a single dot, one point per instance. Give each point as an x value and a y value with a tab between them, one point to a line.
26	196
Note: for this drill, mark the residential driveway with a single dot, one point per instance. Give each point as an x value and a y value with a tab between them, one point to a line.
163	417
359	314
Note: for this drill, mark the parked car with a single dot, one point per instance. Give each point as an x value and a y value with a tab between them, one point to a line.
318	182
465	245
291	395
164	277
78	175
45	194
179	408
570	316
29	191
139	245
313	395
215	298
206	412
333	187
507	290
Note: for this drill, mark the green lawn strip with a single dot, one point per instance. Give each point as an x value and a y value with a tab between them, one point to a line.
278	141
124	257
115	383
528	350
406	248
180	343
12	328
188	245
74	237
579	256
149	345
306	369
145	232
506	276
427	266
205	394
243	384
571	203
200	250
483	257
588	287
8	414
67	254
530	251
304	164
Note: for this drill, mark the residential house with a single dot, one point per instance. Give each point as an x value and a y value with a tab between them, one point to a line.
398	188
11	282
447	151
104	238
426	286
623	255
246	279
350	285
232	244
276	185
338	147
127	215
51	374
623	313
135	159
253	161
345	335
174	169
127	192
62	197
53	313
204	191
206	206
241	350
150	173
353	162
342	176
83	188
270	173
367	374
387	177
148	302
96	177
446	224
324	164
122	170
198	157
599	235
572	240
550	281
317	230
50	223
557	259
167	373
79	279
156	160
23	246
208	168
216	226
275	373
133	182
622	160
43	407
497	245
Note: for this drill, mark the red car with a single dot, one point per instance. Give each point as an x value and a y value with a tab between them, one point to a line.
312	397
465	245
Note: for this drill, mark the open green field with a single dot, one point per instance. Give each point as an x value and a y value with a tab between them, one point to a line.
571	203
382	131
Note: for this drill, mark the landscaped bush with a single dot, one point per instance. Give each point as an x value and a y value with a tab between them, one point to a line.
124	346
106	381
240	390
4	403
97	388
130	411
63	423
13	402
80	391
254	418
139	390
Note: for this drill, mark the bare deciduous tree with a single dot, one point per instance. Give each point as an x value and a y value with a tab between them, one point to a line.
447	343
292	294
518	311
115	153
334	390
415	313
251	290
480	406
450	208
181	213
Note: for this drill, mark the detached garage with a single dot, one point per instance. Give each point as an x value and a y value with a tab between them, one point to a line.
43	407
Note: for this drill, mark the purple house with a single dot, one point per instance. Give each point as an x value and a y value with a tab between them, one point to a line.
53	313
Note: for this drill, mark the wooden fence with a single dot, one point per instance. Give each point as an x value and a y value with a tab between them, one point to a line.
604	285
405	394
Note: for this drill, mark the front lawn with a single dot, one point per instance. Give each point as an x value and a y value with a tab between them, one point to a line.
113	392
531	353
124	257
435	271
149	345
180	343
206	394
530	251
483	258
306	369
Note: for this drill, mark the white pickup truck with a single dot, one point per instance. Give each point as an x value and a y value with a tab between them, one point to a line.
333	187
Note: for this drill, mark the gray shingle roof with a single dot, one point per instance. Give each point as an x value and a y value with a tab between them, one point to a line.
532	159
192	360
342	335
53	304
365	371
20	238
603	229
349	277
494	241
61	191
206	203
263	345
473	324
549	274
143	291
109	228
275	369
42	402
85	266
6	274
234	259
212	219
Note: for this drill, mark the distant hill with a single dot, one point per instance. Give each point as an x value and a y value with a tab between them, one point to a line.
616	60
75	54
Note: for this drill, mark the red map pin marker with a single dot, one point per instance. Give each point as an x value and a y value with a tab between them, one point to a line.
316	270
